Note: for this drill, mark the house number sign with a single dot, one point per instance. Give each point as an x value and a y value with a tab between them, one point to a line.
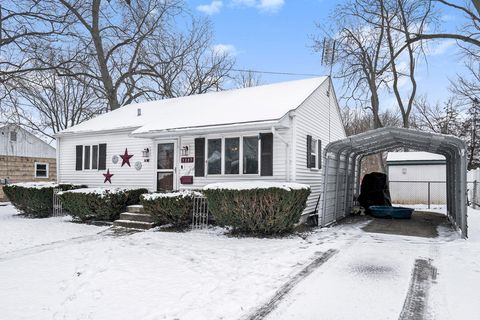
187	160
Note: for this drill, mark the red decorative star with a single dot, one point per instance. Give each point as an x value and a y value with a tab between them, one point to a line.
126	157
108	176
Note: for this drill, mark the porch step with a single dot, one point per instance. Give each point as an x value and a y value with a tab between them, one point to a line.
133	224
141	217
136	208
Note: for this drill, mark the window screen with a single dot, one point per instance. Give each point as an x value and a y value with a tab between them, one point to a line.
250	155
214	154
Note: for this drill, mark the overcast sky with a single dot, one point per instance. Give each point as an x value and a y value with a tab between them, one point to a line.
275	35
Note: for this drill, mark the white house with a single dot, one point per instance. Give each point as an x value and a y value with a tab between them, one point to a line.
271	132
417	177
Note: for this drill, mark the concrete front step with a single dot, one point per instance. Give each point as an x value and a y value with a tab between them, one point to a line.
142	217
133	224
136	208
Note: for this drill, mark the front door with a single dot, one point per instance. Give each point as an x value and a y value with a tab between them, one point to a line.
166	178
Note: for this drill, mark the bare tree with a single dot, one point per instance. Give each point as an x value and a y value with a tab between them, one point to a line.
360	57
115	33
247	79
467	34
401	17
186	63
47	103
26	25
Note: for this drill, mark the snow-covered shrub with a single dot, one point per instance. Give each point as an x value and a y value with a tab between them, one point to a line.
173	208
34	199
257	207
100	204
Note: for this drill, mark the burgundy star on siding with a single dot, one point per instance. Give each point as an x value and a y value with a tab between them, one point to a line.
108	176
126	157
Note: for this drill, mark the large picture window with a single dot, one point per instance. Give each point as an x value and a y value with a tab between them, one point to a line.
250	155
214	156
232	155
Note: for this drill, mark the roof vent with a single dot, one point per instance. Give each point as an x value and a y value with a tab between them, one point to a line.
139	112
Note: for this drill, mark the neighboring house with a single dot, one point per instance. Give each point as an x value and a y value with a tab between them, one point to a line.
271	132
416	177
24	157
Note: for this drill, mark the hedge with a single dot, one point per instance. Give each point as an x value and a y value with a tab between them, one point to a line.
34	199
259	210
170	208
99	204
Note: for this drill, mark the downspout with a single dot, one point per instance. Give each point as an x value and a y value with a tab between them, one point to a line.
57	160
291	114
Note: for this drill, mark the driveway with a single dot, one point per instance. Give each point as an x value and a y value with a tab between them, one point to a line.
55	269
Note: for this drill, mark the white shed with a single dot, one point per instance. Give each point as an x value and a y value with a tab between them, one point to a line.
271	132
417	177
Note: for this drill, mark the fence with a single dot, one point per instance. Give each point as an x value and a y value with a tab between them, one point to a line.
57	204
200	212
429	192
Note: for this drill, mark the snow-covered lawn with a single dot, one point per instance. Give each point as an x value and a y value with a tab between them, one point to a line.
207	275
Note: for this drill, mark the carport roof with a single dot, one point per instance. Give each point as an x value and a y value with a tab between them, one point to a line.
387	138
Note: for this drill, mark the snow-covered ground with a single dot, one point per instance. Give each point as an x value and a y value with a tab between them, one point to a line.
53	269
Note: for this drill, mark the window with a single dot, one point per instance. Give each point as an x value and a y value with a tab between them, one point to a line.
214	156
232	155
13	136
250	155
313	154
41	170
86	158
90	157
94	157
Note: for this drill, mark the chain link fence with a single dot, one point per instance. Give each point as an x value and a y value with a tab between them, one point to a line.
429	192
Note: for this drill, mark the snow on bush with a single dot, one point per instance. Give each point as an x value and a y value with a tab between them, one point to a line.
173	208
99	203
257	207
36	185
34	198
249	185
179	194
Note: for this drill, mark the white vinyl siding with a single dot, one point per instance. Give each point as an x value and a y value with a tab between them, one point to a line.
116	143
312	118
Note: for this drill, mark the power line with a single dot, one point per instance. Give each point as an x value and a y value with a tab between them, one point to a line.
277	72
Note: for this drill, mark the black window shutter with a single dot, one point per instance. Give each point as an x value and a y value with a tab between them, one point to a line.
319	154
199	157
266	145
309	149
78	158
102	156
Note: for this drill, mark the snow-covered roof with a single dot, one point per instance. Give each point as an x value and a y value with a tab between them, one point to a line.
414	156
255	104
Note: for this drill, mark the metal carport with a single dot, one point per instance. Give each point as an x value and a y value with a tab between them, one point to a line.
342	169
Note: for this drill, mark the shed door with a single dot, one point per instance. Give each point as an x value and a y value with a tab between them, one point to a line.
166	169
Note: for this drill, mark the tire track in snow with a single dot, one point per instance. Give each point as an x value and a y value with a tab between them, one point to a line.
415	305
52	245
268	307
